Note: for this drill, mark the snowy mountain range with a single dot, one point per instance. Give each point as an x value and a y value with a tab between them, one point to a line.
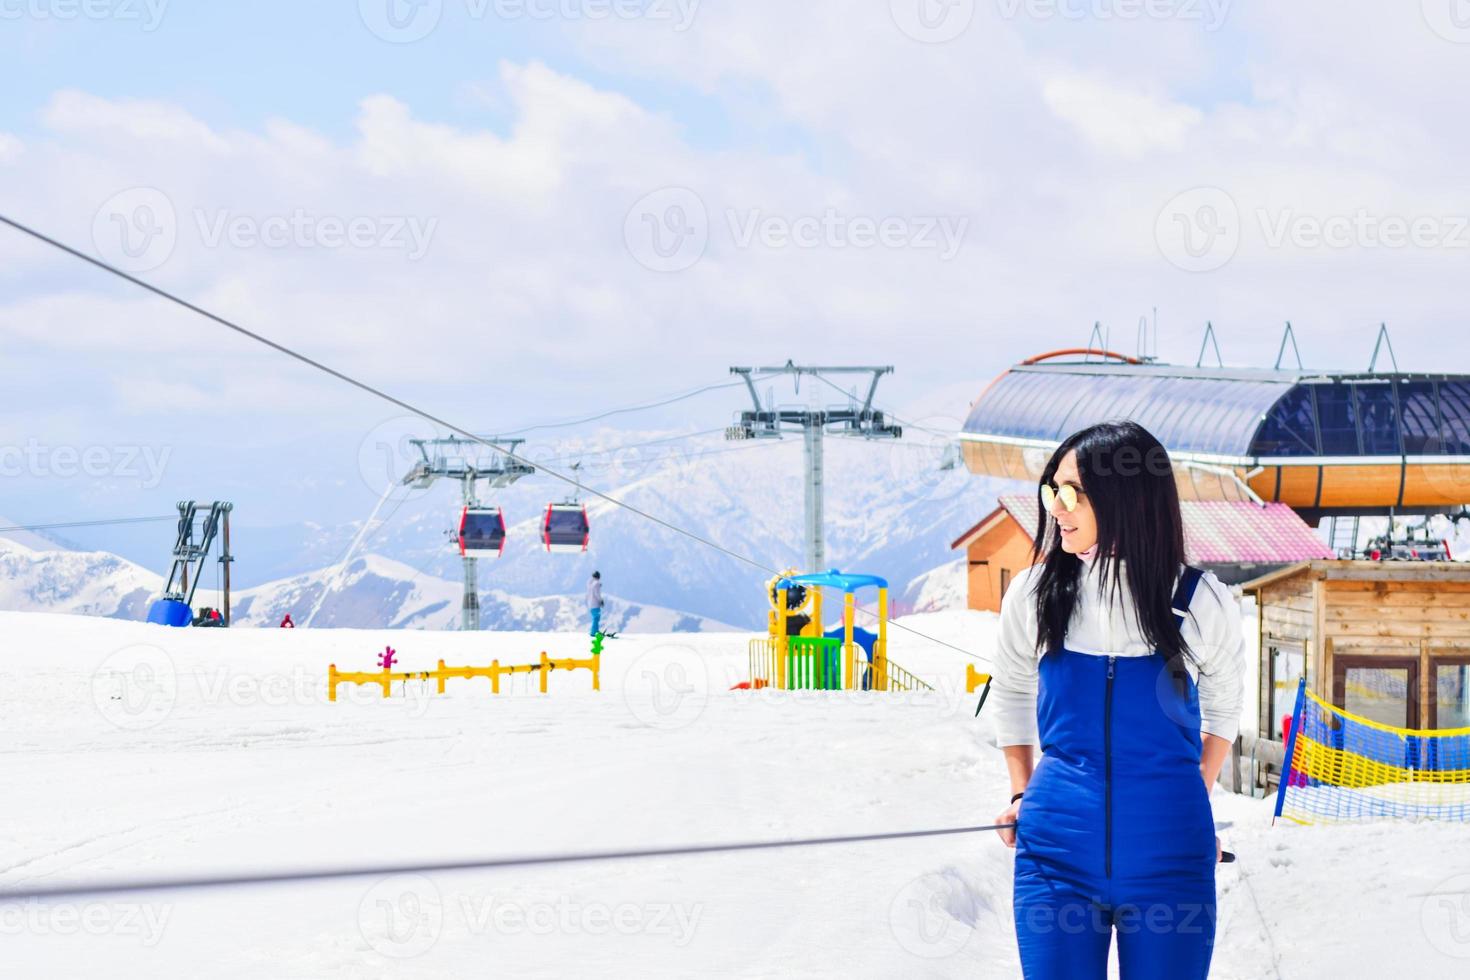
892	509
372	591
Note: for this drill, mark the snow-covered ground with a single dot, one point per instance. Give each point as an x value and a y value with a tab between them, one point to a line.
136	750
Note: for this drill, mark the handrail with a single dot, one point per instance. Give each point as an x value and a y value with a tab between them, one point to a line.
1081	350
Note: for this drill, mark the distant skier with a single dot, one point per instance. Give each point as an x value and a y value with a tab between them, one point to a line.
594	601
286	623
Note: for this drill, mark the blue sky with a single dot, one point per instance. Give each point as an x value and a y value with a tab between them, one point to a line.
238	65
611	209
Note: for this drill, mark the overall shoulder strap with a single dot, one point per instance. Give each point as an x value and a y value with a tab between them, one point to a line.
1188	582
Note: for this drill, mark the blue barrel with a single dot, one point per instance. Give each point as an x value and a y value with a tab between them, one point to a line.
170	612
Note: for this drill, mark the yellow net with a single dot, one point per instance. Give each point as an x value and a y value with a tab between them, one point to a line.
1343	767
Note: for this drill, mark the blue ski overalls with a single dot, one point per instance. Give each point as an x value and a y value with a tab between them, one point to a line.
1115	829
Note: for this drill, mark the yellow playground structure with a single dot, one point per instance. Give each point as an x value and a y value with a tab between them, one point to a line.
797	655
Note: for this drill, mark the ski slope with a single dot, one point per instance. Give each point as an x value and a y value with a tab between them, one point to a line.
135	750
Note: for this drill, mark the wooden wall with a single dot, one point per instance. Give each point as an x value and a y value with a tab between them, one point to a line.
1417	610
1287	616
1005	547
1421	620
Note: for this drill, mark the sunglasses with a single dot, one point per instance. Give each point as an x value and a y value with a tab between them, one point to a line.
1066	493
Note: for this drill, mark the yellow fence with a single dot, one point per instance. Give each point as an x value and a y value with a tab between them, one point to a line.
494	672
764	665
889	676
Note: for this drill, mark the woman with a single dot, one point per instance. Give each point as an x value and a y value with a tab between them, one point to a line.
1134	707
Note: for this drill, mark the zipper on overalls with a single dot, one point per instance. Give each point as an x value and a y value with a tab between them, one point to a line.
1108	773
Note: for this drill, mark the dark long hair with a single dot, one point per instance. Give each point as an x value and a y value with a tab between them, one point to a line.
1129	482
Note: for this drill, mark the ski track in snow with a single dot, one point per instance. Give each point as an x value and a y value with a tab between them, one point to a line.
221	754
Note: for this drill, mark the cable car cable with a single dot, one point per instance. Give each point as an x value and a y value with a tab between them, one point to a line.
363	386
17	893
118	520
634	408
406	406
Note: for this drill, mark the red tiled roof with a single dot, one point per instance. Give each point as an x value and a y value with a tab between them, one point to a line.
968	536
1222	531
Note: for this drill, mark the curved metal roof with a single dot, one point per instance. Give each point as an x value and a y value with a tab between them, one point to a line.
1188	414
1233	412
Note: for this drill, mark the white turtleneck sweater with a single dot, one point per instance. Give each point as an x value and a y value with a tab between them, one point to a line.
1102	625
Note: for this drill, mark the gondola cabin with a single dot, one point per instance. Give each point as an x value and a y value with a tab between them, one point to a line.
565	528
481	532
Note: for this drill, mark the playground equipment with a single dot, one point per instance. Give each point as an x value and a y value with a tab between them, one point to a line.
797	655
387	675
175	607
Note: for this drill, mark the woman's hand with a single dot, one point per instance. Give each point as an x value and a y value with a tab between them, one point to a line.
1219	853
1009	815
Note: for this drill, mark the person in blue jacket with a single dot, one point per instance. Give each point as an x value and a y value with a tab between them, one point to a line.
1126	666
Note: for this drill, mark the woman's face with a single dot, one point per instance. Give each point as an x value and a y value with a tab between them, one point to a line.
1078	527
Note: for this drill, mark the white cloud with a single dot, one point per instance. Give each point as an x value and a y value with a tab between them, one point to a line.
84	114
1116	120
1060	153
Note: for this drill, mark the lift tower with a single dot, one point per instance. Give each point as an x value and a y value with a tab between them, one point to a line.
192	547
853	419
467	461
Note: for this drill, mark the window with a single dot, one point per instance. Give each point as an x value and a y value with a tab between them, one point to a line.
1454	410
1378	418
1449	694
1288	660
1381	689
1291	428
1005	581
1336	420
1419	413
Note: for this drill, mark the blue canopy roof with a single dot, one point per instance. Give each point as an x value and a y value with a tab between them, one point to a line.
833	579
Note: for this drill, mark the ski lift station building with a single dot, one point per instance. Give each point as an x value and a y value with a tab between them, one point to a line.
1324	443
1282	449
